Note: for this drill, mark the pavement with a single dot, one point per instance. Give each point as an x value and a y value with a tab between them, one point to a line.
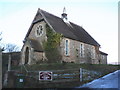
111	80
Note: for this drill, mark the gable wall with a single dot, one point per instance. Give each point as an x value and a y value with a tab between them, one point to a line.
32	34
34	56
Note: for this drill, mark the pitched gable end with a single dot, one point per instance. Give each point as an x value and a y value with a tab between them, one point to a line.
38	17
69	30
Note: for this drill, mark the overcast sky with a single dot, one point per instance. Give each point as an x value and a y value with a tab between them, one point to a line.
98	17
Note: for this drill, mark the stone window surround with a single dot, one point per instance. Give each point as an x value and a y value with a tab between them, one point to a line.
67	49
39	30
81	50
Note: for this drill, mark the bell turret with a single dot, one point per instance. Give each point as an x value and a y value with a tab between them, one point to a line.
64	15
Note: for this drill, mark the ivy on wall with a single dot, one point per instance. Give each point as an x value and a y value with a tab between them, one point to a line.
51	46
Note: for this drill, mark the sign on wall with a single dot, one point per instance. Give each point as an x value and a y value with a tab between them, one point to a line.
45	75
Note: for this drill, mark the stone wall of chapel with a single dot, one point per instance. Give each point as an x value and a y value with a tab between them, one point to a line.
103	59
33	35
26	44
34	57
39	57
90	56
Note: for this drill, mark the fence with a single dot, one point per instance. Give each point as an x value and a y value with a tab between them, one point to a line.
88	75
67	75
58	77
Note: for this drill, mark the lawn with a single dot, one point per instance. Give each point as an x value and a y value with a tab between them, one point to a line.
105	69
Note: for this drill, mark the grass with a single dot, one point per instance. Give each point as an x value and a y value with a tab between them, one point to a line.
103	68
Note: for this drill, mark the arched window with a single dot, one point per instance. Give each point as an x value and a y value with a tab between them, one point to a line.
39	30
81	50
67	50
26	55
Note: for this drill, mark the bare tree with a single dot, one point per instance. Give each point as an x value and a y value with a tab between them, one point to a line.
1	45
11	48
8	47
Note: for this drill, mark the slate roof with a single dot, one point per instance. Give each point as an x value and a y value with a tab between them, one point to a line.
103	53
36	45
69	30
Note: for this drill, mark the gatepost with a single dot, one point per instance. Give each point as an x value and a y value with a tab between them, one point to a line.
80	74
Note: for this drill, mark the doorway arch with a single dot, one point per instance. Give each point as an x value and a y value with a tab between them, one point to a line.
26	55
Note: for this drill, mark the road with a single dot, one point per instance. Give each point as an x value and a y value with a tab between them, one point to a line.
111	80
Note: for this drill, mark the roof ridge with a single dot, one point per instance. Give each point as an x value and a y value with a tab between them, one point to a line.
49	13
